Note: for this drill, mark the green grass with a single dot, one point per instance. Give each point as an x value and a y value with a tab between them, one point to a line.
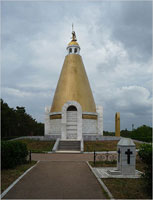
103	163
105	193
37	146
8	176
107	145
139	164
127	188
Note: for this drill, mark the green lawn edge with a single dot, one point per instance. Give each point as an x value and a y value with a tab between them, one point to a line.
8	176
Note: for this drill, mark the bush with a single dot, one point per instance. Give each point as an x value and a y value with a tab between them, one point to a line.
145	154
13	153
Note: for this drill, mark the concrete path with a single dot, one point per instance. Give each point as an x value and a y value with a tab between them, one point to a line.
62	157
57	180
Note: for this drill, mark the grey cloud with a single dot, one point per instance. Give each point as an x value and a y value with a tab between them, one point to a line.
115	42
133	27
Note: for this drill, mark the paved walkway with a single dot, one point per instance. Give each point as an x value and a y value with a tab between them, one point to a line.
62	157
57	180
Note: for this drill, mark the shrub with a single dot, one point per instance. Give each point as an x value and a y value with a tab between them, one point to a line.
145	154
13	153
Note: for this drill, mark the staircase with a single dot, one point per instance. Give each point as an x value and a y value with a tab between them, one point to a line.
69	146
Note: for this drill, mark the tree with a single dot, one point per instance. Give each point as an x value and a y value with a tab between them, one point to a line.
16	122
142	133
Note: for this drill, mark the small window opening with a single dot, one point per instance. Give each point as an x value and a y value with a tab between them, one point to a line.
70	50
75	50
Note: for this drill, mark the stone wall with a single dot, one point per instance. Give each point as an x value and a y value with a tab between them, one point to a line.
85	137
89	126
53	127
99	137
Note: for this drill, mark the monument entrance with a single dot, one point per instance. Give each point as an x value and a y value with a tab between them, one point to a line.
71	121
71	126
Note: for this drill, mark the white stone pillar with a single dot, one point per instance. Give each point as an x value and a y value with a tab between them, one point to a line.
47	120
99	110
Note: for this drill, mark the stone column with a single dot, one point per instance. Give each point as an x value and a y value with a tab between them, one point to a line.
47	120
117	124
99	110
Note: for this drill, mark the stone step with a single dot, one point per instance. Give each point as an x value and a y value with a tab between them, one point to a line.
69	145
69	142
65	144
69	148
68	151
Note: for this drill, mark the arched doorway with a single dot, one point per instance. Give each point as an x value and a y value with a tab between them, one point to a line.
71	125
68	123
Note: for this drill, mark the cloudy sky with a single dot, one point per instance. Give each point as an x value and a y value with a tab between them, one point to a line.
116	47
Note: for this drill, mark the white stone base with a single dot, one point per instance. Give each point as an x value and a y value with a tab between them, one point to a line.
103	172
90	127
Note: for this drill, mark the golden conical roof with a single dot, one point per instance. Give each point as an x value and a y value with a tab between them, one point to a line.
73	85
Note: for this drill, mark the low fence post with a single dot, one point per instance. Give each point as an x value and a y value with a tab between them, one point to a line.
94	157
30	156
107	154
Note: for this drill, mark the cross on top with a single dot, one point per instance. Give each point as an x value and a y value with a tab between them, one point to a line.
128	152
118	155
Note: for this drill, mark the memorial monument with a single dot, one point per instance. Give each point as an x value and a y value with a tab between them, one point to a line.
126	156
73	114
126	162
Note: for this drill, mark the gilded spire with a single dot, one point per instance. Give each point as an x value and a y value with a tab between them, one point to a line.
73	34
72	26
74	39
